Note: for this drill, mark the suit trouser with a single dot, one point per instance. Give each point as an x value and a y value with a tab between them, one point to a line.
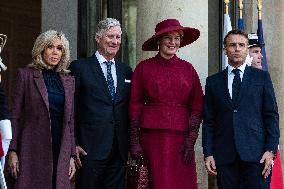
240	173
267	181
102	174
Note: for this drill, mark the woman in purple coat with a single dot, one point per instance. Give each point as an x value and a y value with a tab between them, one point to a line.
166	109
42	149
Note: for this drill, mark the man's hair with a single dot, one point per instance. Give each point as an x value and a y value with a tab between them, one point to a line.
234	32
106	24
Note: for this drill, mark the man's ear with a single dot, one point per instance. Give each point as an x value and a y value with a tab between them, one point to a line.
225	50
97	38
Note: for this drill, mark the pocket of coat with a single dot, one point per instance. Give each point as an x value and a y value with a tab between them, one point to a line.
256	128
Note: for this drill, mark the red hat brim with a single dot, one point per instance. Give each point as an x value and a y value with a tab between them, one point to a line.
190	35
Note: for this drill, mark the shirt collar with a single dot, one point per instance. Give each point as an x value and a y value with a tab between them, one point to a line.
102	59
241	68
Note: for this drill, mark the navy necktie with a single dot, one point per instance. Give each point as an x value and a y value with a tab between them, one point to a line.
236	85
110	82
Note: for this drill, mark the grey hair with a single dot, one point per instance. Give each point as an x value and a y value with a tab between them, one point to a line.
105	25
41	43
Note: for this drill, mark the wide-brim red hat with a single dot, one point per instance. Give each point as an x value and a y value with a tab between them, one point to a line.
190	34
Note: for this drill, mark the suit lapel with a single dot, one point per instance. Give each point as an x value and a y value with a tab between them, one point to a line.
120	80
225	84
38	78
98	75
245	82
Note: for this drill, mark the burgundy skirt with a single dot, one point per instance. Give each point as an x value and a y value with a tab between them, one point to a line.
166	169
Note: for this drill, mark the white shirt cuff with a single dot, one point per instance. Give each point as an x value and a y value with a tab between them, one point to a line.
6	129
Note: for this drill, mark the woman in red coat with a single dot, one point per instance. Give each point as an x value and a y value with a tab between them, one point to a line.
166	109
42	149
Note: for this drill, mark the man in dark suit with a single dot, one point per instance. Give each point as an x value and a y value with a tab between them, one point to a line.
101	112
241	123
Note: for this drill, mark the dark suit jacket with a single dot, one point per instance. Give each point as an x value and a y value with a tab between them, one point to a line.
250	128
31	131
97	118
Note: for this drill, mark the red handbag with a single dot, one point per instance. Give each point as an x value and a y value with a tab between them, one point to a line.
137	174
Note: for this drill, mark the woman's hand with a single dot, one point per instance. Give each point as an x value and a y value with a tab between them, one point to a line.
72	168
13	164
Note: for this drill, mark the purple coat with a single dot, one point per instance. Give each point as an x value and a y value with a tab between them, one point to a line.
31	126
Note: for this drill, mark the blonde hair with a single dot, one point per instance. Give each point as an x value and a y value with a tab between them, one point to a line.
41	43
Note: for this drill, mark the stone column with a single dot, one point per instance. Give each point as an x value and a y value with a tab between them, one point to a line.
189	13
273	27
62	16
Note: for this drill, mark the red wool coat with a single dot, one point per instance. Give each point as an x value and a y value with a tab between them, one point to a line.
164	94
32	135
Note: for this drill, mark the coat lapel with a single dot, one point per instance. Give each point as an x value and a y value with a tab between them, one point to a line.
245	82
98	76
120	82
225	84
68	85
38	78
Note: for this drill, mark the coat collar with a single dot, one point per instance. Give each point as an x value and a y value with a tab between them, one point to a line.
67	83
245	83
244	86
120	82
225	86
99	77
41	87
69	89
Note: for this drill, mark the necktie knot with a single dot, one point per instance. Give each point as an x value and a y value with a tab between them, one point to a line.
236	71
108	63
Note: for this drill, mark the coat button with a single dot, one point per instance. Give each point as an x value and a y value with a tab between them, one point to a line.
235	111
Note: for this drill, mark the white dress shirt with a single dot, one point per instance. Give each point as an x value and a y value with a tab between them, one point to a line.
103	65
231	76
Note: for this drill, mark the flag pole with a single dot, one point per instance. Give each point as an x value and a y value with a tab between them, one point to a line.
241	20
226	28
259	7
241	6
260	36
227	6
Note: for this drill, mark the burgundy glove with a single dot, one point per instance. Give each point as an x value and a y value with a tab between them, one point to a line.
135	147
187	147
187	150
